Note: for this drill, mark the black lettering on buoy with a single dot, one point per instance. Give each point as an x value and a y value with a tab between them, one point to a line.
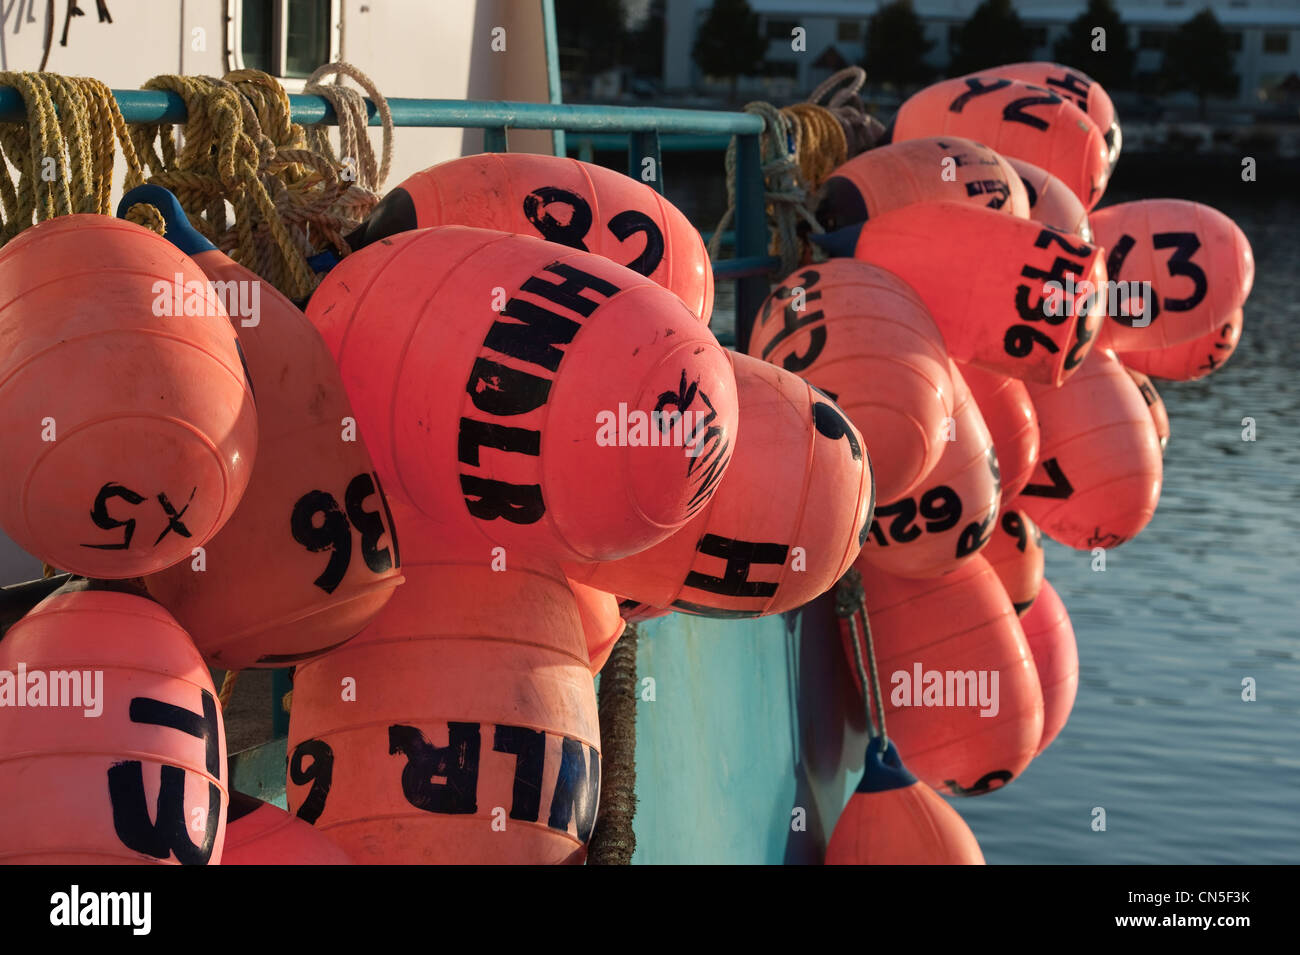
99	514
169	832
535	336
566	293
333	535
975	87
1074	85
983	785
457	762
1060	488
569	233
368	523
500	390
174	517
831	423
487	500
739	555
577	789
476	434
320	774
529	748
629	223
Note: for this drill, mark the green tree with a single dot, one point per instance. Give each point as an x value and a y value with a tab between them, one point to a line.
1112	66
896	46
1197	59
729	42
992	36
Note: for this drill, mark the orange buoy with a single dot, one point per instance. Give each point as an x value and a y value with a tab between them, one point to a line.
131	428
112	746
601	624
310	550
1019	119
786	521
1192	360
258	833
1076	86
1015	552
634	611
1005	407
1051	202
1198	262
862	336
1099	469
899	174
1021	301
534	397
1056	657
1159	414
951	517
962	698
893	818
473	735
573	203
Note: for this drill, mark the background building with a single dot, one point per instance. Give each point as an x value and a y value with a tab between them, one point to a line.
1264	37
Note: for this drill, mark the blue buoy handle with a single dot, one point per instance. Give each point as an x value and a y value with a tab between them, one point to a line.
179	231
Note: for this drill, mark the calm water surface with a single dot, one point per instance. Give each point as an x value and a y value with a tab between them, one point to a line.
1208	595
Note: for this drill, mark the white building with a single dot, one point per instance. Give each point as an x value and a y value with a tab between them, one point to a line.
1263	34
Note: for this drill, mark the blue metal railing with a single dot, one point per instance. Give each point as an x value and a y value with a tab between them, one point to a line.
639	128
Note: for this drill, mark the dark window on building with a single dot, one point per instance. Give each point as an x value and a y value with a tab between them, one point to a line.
848	31
779	68
1277	41
1038	36
1152	39
1234	41
780	29
257	34
285	37
307	43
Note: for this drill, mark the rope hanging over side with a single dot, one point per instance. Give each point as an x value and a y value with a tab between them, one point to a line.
289	197
63	153
613	840
851	604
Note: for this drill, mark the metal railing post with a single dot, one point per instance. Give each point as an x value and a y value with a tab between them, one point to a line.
751	233
640	147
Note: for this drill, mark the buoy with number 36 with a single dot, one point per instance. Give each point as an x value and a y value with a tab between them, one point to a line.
310	551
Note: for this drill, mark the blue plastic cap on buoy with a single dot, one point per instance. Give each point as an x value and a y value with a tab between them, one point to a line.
179	231
883	770
840	243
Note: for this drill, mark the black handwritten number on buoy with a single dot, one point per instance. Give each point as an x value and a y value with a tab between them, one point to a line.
320	773
975	535
318	524
1015	527
1073	84
1019	340
976	87
982	785
1184	245
939	507
792	321
569	233
1060	488
1014	112
631	222
574	232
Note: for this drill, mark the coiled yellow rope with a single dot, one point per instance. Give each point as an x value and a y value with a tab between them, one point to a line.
64	153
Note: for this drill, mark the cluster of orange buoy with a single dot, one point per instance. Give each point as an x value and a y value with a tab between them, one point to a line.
514	375
991	333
